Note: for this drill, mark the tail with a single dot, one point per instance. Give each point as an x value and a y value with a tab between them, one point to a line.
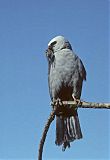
67	130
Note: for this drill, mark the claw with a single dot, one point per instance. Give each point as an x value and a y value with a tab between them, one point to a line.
59	102
78	101
56	102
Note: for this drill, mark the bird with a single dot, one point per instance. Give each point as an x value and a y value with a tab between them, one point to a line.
66	74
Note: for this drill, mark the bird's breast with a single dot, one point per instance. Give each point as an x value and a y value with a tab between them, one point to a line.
61	71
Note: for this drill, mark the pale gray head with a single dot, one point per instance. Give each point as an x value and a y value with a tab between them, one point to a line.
59	43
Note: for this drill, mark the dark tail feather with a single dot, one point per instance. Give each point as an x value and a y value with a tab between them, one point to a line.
59	130
67	130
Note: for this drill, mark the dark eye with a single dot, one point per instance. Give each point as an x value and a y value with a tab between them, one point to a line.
53	43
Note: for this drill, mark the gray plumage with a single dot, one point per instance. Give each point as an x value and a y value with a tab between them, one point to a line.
66	73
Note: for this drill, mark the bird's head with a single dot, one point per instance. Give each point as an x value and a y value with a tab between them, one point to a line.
56	44
59	43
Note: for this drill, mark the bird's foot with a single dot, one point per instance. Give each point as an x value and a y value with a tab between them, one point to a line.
56	102
77	101
59	102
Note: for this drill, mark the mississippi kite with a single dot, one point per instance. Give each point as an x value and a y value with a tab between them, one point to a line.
66	73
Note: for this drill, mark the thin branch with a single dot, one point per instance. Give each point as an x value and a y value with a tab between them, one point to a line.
72	104
46	128
84	104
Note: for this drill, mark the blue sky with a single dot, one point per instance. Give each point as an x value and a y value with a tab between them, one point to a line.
26	27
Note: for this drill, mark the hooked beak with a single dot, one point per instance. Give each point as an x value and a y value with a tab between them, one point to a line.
50	54
49	51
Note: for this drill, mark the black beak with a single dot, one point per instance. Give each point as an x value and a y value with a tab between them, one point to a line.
49	51
50	54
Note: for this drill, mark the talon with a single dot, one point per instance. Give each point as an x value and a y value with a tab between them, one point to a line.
56	102
78	101
59	102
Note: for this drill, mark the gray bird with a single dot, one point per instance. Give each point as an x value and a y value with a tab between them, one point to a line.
66	73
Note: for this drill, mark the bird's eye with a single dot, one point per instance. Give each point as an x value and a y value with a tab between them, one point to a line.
53	43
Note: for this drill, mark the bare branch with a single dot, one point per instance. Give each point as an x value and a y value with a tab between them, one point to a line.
72	104
46	128
91	105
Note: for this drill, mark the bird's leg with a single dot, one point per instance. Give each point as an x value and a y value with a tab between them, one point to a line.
59	102
56	102
78	101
